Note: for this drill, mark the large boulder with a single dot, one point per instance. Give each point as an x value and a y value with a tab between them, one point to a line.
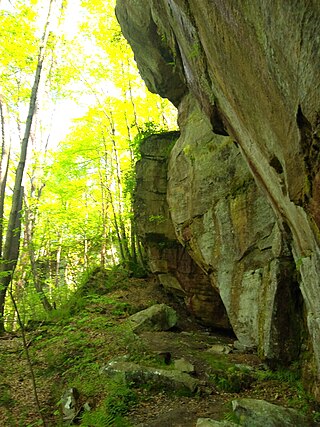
212	238
229	229
259	413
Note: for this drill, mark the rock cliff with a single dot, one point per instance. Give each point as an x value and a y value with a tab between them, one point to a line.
245	78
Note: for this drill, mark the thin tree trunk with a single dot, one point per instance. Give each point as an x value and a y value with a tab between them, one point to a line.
116	226
30	364
117	216
103	249
58	263
4	167
133	242
132	101
121	225
132	224
142	257
85	238
112	244
36	277
11	245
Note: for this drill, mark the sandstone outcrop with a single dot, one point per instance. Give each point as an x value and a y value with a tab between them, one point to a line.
253	68
168	259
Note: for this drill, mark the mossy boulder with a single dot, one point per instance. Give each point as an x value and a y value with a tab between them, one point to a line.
158	317
259	413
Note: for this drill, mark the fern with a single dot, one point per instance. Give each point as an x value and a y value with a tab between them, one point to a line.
109	421
97	419
231	417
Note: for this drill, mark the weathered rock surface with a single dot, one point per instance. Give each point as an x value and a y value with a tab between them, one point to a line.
172	380
254	69
176	270
212	237
183	365
69	404
158	317
259	413
220	349
229	229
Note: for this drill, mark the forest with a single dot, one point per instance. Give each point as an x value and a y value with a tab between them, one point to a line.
88	336
73	110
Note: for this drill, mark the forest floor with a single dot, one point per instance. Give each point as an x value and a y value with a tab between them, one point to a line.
70	348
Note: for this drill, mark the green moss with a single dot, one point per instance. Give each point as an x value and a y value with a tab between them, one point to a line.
5	397
188	152
240	188
110	412
158	219
226	376
232	380
195	51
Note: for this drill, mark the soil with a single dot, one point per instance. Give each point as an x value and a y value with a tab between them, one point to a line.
157	408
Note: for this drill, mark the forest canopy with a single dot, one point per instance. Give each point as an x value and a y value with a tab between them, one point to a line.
73	111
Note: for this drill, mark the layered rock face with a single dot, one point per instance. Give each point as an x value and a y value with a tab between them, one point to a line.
168	259
253	69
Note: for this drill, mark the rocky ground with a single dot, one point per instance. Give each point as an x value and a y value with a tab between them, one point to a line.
70	350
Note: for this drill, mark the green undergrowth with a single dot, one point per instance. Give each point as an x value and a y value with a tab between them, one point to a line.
74	344
225	375
236	378
6	399
70	348
110	411
231	417
290	379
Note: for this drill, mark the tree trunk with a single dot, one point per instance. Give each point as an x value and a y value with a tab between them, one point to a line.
36	277
133	242
117	229
10	255
58	262
11	246
104	216
4	167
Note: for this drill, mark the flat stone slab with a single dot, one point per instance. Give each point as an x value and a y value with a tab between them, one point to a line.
208	422
139	375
